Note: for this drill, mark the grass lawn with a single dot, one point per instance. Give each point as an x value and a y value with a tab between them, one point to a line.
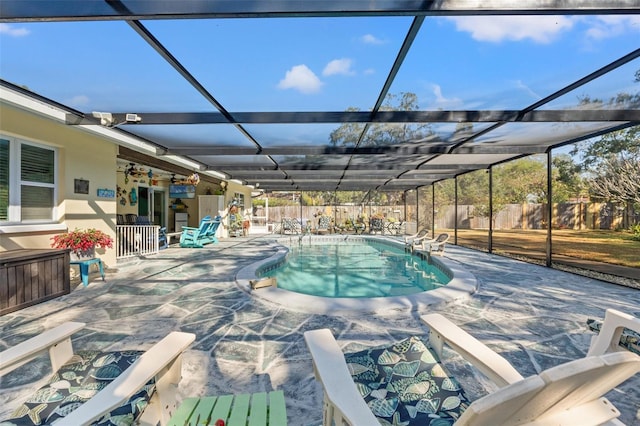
615	247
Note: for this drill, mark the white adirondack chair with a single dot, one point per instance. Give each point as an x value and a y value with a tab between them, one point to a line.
568	394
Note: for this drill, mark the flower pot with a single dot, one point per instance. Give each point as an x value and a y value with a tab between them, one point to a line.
83	254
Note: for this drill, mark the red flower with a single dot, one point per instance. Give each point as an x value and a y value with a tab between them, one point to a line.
81	240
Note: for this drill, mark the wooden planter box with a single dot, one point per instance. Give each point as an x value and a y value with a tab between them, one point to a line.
31	276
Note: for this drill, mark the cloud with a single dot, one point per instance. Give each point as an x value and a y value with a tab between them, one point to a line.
520	85
370	39
302	79
369	71
338	66
541	29
443	102
12	31
78	101
607	26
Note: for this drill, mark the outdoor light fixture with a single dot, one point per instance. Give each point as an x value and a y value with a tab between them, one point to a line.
132	118
106	119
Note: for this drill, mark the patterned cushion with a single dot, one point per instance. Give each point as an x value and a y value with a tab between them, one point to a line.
629	339
404	383
324	222
86	373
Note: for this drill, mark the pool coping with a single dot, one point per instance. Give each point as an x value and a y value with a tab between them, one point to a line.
461	287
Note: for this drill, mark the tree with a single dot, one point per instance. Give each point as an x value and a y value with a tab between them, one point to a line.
618	180
520	181
566	178
612	161
380	134
611	164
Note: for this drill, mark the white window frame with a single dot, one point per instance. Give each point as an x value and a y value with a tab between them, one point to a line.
15	222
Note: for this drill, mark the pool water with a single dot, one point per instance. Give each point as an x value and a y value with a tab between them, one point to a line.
355	269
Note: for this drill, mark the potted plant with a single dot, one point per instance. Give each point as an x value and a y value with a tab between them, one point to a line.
82	242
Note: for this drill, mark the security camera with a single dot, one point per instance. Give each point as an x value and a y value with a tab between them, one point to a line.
132	118
106	119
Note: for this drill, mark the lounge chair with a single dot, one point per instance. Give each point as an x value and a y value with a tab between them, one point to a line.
406	382
88	386
376	225
196	237
290	225
436	245
324	225
414	241
618	332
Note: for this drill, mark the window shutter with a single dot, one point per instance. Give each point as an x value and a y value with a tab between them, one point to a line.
36	202
37	164
4	180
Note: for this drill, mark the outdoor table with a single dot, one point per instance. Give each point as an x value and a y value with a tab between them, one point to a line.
84	265
258	409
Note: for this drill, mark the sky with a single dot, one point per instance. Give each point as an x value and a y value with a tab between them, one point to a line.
320	64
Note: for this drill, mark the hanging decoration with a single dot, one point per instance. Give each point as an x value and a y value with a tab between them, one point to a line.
133	197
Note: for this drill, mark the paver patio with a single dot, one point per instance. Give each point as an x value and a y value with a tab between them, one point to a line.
534	316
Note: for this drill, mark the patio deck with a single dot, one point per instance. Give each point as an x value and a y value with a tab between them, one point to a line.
534	316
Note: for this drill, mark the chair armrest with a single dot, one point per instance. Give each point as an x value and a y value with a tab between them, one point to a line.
612	327
340	390
418	240
149	365
57	340
427	241
477	353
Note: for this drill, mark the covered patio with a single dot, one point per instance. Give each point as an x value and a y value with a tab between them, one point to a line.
533	315
419	119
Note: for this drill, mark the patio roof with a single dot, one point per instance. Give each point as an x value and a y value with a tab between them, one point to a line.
189	110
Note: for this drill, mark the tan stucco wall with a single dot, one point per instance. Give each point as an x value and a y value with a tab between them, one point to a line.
81	156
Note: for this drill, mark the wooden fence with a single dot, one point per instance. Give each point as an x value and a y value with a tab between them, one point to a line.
511	216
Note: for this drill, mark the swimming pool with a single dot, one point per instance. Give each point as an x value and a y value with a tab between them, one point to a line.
461	285
354	268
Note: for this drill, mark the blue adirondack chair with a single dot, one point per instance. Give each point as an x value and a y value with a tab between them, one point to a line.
196	237
211	232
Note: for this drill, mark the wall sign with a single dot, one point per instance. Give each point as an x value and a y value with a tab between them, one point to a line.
106	193
80	186
182	191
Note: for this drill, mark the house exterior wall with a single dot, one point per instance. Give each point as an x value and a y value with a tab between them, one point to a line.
80	156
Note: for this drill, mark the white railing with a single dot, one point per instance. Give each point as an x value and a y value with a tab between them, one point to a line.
136	240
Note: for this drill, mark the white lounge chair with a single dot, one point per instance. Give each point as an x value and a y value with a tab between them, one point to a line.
436	245
618	332
415	240
151	379
568	394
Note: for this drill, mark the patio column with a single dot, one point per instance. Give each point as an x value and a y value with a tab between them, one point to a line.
417	209
433	209
490	209
300	202
455	210
549	208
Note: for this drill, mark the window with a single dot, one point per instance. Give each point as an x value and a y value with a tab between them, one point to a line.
238	197
27	181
